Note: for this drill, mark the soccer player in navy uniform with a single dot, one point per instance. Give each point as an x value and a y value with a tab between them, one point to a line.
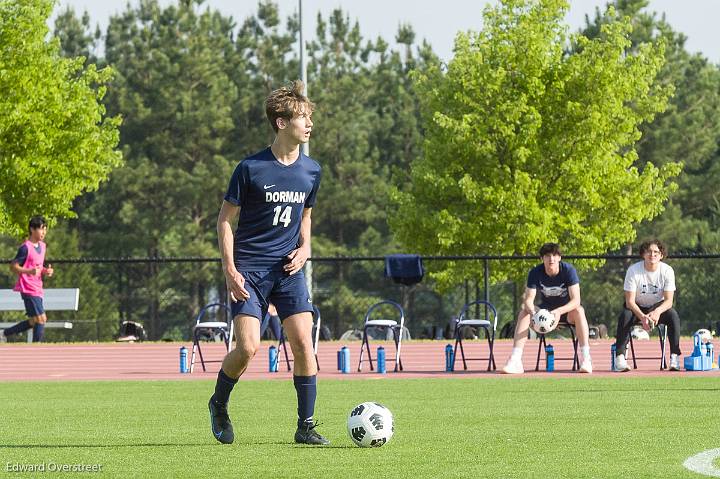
559	287
274	192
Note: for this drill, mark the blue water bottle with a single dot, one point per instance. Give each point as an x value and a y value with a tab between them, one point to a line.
449	358
711	353
613	353
381	360
549	358
273	359
345	360
183	359
340	359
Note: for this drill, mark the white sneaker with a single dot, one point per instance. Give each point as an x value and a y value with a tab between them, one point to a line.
674	362
621	364
513	366
586	366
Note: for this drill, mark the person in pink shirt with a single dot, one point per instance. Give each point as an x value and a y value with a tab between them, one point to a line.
29	265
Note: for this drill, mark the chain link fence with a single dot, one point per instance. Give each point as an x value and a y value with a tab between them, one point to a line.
165	294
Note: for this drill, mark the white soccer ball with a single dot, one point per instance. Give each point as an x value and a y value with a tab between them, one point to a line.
370	424
705	336
543	321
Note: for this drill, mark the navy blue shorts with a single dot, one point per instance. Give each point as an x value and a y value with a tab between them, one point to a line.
33	305
288	293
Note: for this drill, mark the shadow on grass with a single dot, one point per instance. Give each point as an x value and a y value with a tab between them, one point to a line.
166	444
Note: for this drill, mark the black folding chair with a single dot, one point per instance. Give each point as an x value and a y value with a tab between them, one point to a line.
466	319
211	328
316	339
563	323
394	325
662	334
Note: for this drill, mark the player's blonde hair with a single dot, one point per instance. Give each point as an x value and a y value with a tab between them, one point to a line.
287	102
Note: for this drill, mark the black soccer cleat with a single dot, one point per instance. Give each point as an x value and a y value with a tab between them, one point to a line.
220	422
306	434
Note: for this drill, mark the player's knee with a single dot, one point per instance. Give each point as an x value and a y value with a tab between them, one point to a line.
247	349
303	346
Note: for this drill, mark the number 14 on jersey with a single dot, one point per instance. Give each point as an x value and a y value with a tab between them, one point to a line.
283	217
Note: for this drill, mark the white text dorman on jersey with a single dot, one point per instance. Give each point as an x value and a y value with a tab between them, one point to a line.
284	197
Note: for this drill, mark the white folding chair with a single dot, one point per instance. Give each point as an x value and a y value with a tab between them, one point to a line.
394	325
212	328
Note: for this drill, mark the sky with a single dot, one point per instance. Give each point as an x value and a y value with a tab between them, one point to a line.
439	21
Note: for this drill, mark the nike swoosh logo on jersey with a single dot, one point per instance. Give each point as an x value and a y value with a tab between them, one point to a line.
267	186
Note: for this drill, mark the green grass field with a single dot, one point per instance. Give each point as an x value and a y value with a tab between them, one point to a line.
624	427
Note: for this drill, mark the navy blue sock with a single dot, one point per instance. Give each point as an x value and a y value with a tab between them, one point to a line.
306	388
38	332
223	388
18	328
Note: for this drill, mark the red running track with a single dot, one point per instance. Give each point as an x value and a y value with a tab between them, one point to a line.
160	361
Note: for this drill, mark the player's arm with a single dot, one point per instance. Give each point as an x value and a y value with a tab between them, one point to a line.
529	300
16	268
664	306
299	256
633	306
574	303
20	258
233	278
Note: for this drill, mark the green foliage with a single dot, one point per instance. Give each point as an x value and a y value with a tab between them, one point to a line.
173	88
689	129
526	143
192	87
55	137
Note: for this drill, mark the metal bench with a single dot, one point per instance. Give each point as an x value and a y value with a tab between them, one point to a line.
54	299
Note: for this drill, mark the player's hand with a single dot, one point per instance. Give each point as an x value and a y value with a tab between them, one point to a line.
647	323
48	271
296	260
36	271
236	285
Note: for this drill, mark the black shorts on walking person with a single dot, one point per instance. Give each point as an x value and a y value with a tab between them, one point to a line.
33	305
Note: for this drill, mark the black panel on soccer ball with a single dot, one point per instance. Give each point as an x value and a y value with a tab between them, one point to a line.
377	421
358	433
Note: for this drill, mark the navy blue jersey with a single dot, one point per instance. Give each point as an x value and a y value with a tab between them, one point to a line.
553	289
22	254
271	197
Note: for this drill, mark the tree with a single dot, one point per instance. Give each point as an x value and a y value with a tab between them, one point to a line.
527	144
56	141
74	35
688	129
174	91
